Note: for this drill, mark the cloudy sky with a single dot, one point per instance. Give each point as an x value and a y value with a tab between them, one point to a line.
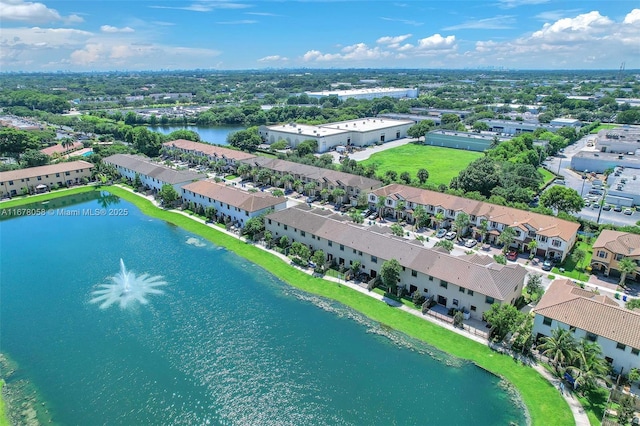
88	35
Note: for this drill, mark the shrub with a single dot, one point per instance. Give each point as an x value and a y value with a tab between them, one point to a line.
418	298
499	258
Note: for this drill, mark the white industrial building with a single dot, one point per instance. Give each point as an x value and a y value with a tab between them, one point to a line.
516	127
624	187
373	93
358	132
598	162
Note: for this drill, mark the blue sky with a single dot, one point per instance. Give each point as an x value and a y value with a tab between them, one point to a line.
89	35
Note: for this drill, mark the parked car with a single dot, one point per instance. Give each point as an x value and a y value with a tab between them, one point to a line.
372	216
546	265
628	211
441	233
470	243
311	199
450	235
512	255
617	209
606	207
559	181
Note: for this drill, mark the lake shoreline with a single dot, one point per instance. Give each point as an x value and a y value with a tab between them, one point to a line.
543	403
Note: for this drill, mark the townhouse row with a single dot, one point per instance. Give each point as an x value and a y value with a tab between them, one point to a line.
471	283
43	178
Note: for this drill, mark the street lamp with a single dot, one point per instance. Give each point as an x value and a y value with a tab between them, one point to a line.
584	179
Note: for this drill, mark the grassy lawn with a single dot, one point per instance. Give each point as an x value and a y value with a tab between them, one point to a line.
443	164
547	176
543	401
4	421
594	403
603	127
576	271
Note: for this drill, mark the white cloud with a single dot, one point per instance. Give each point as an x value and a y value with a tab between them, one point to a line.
554	15
632	17
436	42
206	6
502	22
582	27
273	58
509	4
34	13
354	53
393	40
111	29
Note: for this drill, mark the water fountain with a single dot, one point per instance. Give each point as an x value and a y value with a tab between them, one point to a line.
127	288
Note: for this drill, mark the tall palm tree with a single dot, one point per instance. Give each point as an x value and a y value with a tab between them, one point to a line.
400	205
559	348
484	229
533	246
438	218
380	205
587	365
461	222
626	266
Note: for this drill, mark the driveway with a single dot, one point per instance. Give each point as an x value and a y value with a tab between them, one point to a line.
366	153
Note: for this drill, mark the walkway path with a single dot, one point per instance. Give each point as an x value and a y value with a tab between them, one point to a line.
579	414
367	152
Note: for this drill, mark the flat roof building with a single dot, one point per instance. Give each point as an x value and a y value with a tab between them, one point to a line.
596	161
358	132
370	93
469	141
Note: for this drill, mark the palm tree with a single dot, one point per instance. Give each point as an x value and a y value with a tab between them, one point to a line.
422	175
380	205
400	205
461	222
559	347
287	180
438	219
243	170
507	237
588	365
484	229
533	246
626	266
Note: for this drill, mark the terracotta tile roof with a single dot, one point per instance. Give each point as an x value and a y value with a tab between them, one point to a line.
248	201
44	170
618	242
50	150
494	280
548	226
144	166
315	173
208	149
565	302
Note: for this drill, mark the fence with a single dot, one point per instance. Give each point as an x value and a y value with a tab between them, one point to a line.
449	320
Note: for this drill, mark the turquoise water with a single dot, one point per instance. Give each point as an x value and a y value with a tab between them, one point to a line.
213	134
227	343
88	153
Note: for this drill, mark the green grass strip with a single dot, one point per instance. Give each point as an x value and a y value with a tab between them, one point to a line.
544	403
22	200
4	420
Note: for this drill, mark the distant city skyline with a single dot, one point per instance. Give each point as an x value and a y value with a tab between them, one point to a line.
73	35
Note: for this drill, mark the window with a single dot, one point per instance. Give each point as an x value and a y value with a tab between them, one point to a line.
330	243
635	351
618	256
455	302
354	251
572	328
470	292
359	253
430	278
341	247
547	321
39	177
473	308
489	300
621	346
303	234
592	337
556	243
461	289
425	290
374	259
414	273
286	227
542	239
443	284
57	174
67	173
602	254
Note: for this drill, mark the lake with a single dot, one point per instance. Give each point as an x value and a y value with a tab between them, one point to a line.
212	134
225	343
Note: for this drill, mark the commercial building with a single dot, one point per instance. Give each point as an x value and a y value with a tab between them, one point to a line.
370	93
621	140
624	187
324	179
613	246
588	315
566	122
43	178
515	127
595	161
213	153
233	205
153	176
469	141
554	237
469	283
359	132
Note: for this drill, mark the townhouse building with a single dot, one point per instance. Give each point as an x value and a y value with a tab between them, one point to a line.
470	283
588	315
611	247
43	178
232	204
153	176
554	237
353	185
212	153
